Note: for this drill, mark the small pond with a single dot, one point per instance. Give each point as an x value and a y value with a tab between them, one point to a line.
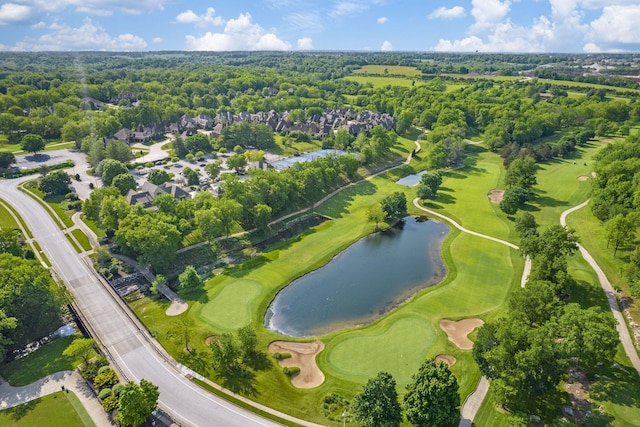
363	282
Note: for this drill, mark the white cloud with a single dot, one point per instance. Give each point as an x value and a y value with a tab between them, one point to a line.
97	7
488	13
469	44
88	36
209	18
382	20
157	40
342	8
15	14
591	48
386	46
617	24
305	43
444	13
239	34
306	21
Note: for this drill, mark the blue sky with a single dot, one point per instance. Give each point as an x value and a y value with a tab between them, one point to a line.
374	25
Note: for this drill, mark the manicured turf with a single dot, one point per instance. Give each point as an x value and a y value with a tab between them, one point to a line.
397	347
55	410
45	361
82	239
389	69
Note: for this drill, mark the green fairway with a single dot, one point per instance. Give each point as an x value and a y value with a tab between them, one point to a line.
55	410
399	70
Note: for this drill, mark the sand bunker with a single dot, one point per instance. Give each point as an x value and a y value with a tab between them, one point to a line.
446	358
496	195
303	355
583	178
458	331
176	308
208	340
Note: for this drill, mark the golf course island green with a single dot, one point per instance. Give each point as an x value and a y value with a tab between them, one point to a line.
363	282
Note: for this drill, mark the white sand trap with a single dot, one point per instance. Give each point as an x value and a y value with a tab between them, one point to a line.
176	308
496	195
583	178
303	355
458	331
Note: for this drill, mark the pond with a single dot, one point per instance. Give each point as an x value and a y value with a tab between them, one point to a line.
363	282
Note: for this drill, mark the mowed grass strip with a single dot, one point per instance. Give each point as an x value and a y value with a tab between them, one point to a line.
54	410
400	70
6	219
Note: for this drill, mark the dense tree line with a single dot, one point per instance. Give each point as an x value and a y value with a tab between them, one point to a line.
527	352
615	201
30	300
155	235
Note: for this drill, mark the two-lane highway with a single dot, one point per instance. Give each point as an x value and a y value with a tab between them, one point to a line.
128	345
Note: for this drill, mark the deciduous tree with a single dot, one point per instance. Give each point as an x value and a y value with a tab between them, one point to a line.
55	183
136	402
32	143
432	397
378	405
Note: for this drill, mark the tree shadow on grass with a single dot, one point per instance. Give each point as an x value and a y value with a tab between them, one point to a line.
549	202
618	385
258	361
241	381
199	295
339	204
18	412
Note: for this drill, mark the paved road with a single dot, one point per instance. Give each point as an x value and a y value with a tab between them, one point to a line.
621	324
126	341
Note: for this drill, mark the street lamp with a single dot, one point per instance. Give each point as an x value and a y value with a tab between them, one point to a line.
154	332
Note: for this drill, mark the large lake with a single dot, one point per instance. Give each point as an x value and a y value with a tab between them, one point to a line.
363	282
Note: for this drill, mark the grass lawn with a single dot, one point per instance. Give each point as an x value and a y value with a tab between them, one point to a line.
399	70
45	361
53	201
82	239
55	410
379	82
6	219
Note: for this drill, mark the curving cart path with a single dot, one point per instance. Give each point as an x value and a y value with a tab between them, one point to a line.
472	403
621	324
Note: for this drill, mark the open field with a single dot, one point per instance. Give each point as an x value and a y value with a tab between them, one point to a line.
51	146
379	82
398	70
55	410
